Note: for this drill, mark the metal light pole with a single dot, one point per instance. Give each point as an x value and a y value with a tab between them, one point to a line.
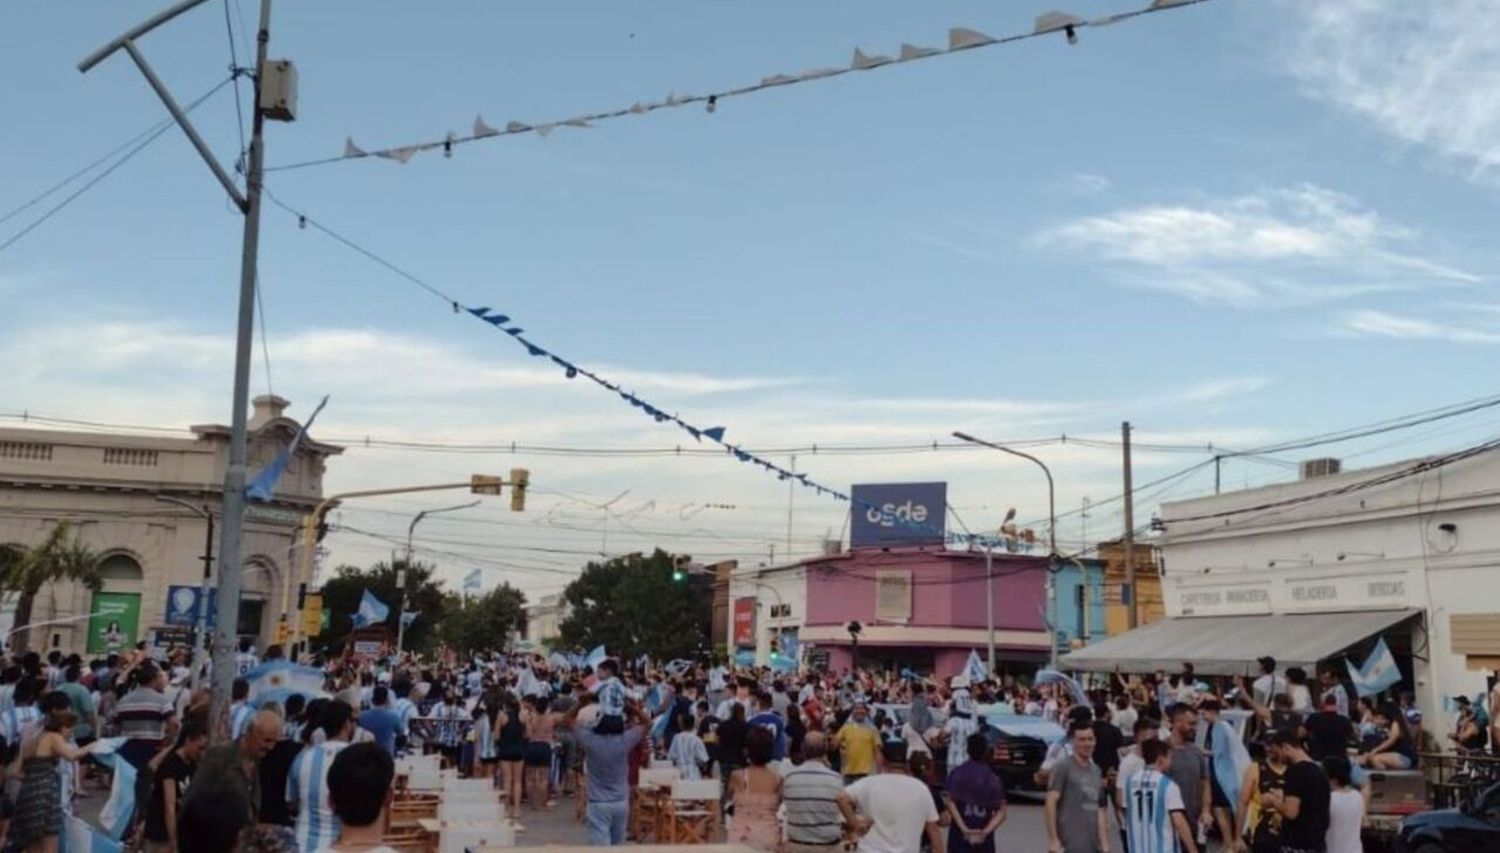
989	600
401	573
233	503
1051	546
200	641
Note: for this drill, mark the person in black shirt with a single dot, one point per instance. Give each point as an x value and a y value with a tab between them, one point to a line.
171	776
1302	801
1328	731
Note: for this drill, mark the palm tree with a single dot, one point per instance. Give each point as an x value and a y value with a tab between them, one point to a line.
25	571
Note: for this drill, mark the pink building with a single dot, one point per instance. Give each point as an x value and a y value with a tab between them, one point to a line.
924	608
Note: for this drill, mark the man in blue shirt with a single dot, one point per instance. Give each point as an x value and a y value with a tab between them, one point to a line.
767	718
606	761
381	721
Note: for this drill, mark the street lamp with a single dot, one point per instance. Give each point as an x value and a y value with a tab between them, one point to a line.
854	630
200	643
989	575
401	572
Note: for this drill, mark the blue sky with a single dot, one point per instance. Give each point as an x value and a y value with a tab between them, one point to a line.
1237	222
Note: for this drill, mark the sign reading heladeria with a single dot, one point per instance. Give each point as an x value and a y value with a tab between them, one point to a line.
1303	594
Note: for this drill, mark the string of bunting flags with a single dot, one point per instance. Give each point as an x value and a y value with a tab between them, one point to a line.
373	609
959	39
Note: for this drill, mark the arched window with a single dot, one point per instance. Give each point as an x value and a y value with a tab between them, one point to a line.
120	567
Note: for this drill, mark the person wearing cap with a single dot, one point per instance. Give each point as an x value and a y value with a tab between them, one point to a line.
858	744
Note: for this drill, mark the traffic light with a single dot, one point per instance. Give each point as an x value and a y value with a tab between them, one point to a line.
483	484
519	477
679	563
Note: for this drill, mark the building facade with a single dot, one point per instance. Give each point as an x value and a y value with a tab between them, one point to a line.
108	488
544	620
1324	566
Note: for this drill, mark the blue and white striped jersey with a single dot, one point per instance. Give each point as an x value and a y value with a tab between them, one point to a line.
307	787
240	717
1150	799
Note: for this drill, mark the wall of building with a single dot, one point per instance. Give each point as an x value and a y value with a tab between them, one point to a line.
1149	604
1430	542
1075	623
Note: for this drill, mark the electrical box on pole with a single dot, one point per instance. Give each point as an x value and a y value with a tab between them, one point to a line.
278	90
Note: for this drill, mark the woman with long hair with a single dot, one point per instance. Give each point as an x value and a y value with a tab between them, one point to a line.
39	809
510	746
1399	749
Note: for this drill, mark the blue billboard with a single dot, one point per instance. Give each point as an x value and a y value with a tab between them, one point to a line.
183	603
885	514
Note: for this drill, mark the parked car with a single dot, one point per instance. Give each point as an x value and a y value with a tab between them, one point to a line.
1474	827
1018	743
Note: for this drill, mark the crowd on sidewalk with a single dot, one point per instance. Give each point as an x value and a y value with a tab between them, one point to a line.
808	762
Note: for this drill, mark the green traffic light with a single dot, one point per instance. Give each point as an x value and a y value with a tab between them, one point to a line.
677	575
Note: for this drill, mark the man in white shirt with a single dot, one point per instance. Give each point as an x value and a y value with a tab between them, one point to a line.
893	810
1125	714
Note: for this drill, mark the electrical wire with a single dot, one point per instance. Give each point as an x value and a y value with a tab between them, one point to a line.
151	136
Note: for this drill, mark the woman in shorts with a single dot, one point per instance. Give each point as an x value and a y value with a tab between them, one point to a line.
540	726
510	748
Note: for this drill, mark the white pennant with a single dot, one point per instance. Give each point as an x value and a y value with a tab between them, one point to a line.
777	80
481	129
1053	21
911	51
352	150
862	62
516	127
960	38
638	108
577	122
400	155
673	99
543	130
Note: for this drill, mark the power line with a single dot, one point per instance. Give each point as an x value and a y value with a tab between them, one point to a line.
149	137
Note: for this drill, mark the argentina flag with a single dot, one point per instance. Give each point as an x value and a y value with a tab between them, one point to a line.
1379	672
372	611
974	669
263	487
275	680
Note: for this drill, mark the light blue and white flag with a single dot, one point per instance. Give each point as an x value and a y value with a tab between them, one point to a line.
558	660
1050	676
408	617
974	669
595	657
115	816
275	680
263	487
372	611
1230	759
1378	673
677	667
82	838
791	646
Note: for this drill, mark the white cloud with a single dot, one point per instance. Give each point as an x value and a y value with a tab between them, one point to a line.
1383	325
949	246
1425	73
1298	245
1085	184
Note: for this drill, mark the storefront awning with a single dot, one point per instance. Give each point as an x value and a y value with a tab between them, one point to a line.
1230	645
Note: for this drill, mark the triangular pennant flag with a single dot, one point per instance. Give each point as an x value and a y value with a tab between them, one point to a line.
400	155
497	319
516	127
1048	22
861	62
481	129
638	108
911	51
714	433
778	80
693	431
543	130
479	312
577	122
674	99
352	150
961	38
534	349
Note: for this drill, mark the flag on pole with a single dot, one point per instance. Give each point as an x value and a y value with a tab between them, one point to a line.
595	657
1378	673
275	680
371	611
408	617
263	487
1048	676
975	670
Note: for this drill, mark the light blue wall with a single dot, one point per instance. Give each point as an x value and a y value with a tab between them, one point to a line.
1069	618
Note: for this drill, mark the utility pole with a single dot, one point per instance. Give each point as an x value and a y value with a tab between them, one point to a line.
791	494
233	502
1133	608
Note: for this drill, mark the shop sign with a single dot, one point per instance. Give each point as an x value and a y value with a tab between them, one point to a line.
885	514
744	621
113	623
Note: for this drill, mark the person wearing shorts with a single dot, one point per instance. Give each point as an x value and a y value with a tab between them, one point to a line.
510	748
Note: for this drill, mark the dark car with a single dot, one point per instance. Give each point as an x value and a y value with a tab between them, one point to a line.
1015	758
1472	828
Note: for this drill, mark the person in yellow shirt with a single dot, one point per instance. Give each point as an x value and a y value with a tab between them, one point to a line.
858	744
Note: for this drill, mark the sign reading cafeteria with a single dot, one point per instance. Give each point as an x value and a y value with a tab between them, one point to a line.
886	514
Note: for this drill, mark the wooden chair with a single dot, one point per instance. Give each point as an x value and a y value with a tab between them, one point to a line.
692	812
414	841
405	812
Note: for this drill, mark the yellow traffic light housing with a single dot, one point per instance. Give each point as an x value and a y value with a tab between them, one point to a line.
519	478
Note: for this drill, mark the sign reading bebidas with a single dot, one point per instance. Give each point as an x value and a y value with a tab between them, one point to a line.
885	514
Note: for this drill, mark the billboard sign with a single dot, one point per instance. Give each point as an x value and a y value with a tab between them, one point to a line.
184	603
113	622
885	514
744	621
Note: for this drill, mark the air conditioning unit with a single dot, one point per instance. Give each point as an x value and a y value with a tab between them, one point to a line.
1325	467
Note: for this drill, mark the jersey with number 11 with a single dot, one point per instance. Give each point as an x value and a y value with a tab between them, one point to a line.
1150	799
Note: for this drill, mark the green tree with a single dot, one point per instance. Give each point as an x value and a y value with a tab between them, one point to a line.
24	571
342	594
485	623
632	605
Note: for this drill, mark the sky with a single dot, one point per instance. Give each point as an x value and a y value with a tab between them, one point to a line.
1232	224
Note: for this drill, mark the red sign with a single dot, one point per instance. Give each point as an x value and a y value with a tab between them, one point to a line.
744	621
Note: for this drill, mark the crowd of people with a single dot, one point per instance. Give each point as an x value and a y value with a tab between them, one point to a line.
807	761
